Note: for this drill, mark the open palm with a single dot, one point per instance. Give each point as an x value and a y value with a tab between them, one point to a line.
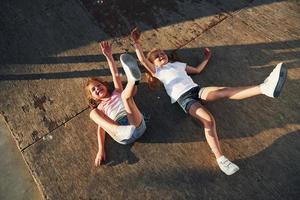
106	48
135	34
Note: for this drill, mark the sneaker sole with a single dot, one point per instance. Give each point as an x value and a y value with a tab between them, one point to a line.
281	81
130	62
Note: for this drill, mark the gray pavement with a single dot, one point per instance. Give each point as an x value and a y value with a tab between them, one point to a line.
15	181
49	48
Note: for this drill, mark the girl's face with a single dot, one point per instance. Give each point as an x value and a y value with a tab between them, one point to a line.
98	90
160	58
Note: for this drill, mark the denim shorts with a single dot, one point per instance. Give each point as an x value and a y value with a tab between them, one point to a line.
187	99
137	133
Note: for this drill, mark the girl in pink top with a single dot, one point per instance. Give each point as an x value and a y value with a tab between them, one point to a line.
115	113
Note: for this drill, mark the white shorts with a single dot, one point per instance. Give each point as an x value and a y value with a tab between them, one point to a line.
127	134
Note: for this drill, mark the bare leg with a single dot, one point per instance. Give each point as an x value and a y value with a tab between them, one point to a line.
236	93
109	125
204	116
133	113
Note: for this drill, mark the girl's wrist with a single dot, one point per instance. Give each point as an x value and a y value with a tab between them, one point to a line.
109	56
101	149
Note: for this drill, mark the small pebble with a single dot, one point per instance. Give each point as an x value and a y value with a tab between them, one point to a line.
47	137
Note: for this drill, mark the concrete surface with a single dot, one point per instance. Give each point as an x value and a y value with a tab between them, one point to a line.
15	181
49	48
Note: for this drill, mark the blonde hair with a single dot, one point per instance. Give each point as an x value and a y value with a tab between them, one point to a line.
153	82
93	103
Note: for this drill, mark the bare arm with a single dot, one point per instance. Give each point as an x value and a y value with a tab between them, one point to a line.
107	52
199	68
101	151
135	35
101	138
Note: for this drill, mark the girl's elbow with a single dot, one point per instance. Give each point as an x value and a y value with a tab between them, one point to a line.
199	71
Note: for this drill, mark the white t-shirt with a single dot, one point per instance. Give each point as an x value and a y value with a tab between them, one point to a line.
175	79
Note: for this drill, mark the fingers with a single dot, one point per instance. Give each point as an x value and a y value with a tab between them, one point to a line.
105	45
207	49
135	33
97	162
99	159
207	52
134	30
137	29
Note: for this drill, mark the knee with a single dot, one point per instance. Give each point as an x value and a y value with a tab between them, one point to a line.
125	96
208	121
209	124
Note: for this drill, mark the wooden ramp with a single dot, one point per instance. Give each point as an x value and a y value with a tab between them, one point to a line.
49	48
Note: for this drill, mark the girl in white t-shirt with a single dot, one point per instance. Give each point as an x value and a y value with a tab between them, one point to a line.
181	89
115	113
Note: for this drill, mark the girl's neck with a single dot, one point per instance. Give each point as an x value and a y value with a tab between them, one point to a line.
163	65
107	96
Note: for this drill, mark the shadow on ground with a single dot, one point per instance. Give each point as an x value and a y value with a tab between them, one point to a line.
225	69
32	33
123	15
243	55
37	36
260	172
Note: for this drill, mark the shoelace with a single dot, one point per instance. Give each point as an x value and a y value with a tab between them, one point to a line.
224	163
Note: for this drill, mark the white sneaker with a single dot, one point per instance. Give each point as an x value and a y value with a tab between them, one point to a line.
273	84
130	67
227	166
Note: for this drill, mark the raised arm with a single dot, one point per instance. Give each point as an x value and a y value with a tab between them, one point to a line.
199	68
101	151
107	52
135	35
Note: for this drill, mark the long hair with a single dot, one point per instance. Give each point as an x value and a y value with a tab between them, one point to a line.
91	101
153	82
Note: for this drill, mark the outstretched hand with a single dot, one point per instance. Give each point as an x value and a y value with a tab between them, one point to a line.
207	53
106	48
135	34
